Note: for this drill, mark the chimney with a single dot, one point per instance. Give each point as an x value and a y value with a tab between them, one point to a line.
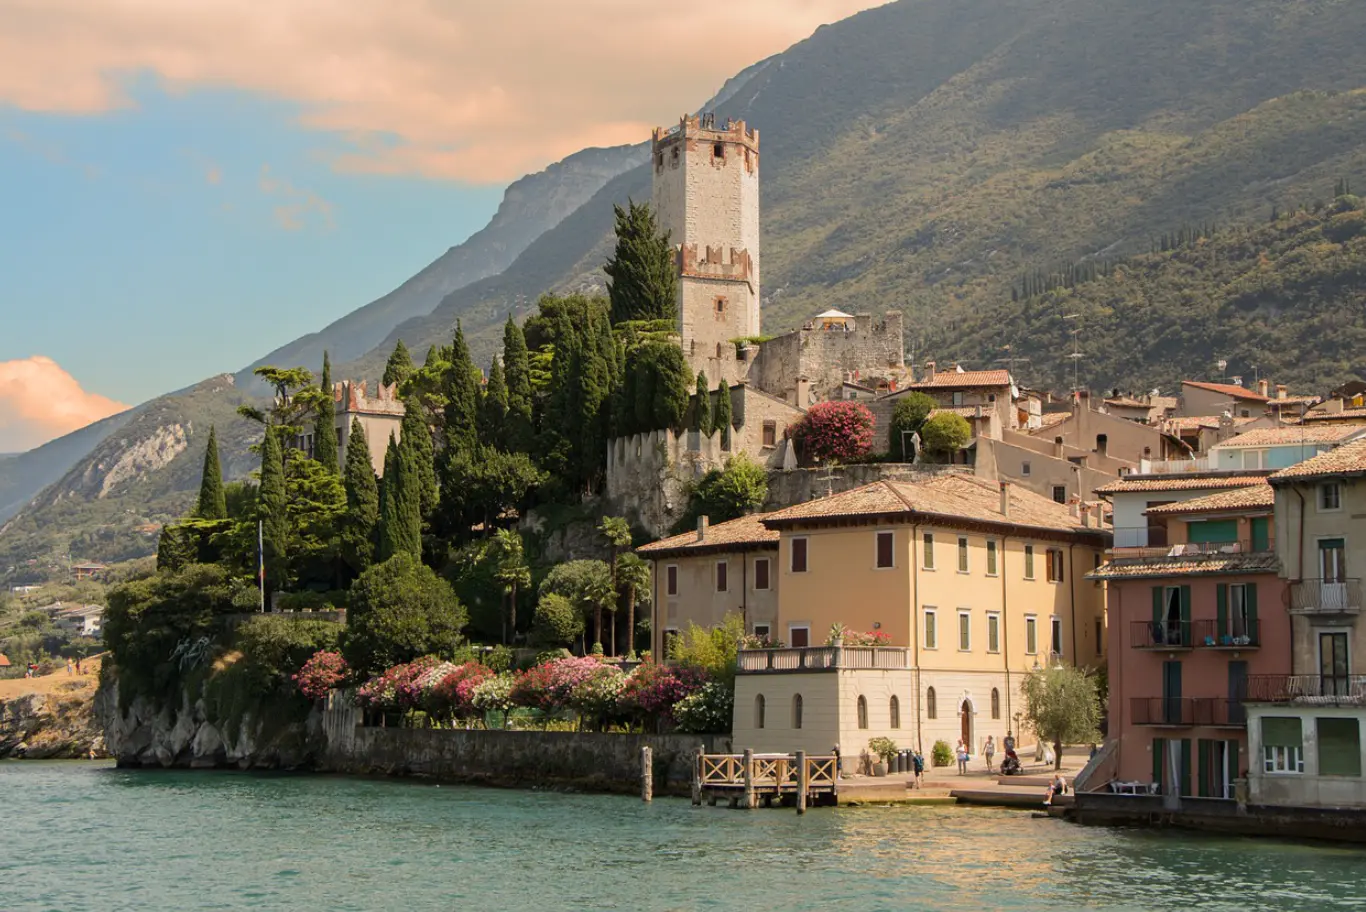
1100	515
803	392
1237	381
930	367
702	523
1074	506
1005	499
1264	387
1085	516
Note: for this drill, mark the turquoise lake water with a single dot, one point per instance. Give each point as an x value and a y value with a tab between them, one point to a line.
82	836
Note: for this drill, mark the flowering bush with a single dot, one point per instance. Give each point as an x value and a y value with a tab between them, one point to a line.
494	694
838	431
652	691
706	711
871	638
320	674
755	641
453	695
550	685
399	687
598	696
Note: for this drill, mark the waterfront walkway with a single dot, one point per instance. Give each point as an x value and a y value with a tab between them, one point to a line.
943	785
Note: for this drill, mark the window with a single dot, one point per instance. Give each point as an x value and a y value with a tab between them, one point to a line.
759	711
1254	459
659	161
671	579
718	150
928	562
885	541
894	708
1237	616
675	155
1055	568
1339	747
798	555
931	632
991	557
962	554
862	712
797	711
799	637
1332	564
993	633
958	400
1060	494
720	307
1029	562
931	705
1031	635
761	573
722	569
1100	637
761	630
1330	496
995	703
1282	745
1057	636
770	434
1024	469
964	631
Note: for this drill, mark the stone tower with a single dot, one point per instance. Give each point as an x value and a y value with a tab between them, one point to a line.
706	195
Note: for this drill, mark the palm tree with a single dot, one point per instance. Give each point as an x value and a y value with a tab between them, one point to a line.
633	575
598	593
511	570
617	531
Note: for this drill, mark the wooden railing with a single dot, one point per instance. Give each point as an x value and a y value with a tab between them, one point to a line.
748	779
824	658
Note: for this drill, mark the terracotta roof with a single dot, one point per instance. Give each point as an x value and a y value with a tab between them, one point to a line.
4	660
1347	414
1138	483
1050	419
1191	422
1186	565
1348	459
1292	436
943	497
1254	496
953	379
966	411
1126	402
1228	389
745	532
1279	401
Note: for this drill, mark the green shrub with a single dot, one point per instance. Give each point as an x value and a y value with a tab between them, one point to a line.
941	754
885	748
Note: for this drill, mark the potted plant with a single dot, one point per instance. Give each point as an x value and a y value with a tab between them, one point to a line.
885	750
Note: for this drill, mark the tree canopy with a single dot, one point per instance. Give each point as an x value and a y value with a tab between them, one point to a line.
908	417
1062	705
400	610
642	272
945	434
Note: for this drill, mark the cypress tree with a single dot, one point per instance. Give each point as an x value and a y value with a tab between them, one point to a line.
362	502
173	552
701	421
399	366
722	419
212	503
415	446
399	522
642	273
462	397
493	410
271	507
324	425
517	373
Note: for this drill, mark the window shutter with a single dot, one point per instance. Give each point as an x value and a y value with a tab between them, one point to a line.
1250	600
1159	756
1204	758
1157	606
1186	606
1221	611
1185	766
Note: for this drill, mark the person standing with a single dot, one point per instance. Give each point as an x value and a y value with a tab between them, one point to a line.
962	759
989	751
1008	743
918	765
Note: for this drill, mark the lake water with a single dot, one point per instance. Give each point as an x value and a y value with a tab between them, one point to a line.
79	836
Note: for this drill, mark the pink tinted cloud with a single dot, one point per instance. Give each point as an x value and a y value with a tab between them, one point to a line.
471	91
39	401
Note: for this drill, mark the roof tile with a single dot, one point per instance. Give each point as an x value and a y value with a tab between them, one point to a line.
1290	436
1139	483
1253	496
1348	459
955	379
747	531
1187	565
1228	389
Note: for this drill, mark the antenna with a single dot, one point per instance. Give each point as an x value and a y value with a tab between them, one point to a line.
1076	352
1011	359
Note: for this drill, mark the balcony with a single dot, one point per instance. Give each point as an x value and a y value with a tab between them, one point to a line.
1173	636
1132	542
1174	466
1307	690
823	658
1318	596
1187	712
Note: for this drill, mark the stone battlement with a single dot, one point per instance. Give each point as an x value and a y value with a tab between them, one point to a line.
713	263
702	128
351	398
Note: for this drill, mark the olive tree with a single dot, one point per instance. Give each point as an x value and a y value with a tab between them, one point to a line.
1062	705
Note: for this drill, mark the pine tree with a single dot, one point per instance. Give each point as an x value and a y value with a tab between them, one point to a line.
493	409
722	419
415	445
701	420
399	367
517	373
212	503
462	397
324	425
272	512
362	503
399	522
642	271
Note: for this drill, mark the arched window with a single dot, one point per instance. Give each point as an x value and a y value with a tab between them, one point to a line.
759	711
995	703
896	712
862	713
931	710
797	711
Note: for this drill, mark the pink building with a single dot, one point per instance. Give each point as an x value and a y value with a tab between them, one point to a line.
1189	621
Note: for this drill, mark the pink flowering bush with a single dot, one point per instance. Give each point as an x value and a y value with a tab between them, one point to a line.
453	695
397	688
321	673
871	638
652	691
840	431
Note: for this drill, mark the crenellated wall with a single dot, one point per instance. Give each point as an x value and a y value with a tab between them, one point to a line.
871	348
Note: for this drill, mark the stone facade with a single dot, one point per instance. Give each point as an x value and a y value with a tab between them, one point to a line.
867	349
380	415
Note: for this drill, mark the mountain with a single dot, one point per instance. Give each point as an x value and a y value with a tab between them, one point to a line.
24	474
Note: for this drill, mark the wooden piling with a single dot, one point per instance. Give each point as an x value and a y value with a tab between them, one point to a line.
749	801
803	781
647	775
697	779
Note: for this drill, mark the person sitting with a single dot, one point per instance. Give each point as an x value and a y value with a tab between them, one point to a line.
1057	787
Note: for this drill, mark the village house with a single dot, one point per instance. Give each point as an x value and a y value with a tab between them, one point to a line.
1135	495
970	585
1201	398
1280	447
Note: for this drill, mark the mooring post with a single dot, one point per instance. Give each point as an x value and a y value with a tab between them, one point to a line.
750	803
697	778
803	782
647	775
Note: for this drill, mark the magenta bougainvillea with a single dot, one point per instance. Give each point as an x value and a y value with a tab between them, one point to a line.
453	694
835	432
320	674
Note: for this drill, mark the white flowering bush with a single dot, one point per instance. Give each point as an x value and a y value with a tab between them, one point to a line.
707	711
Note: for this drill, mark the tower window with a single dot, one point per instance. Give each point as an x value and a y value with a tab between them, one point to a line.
720	306
675	155
659	161
718	150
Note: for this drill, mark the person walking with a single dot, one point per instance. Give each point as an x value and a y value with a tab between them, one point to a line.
918	765
962	759
69	670
989	751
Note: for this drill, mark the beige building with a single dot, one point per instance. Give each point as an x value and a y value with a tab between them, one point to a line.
700	577
971	584
380	415
1200	398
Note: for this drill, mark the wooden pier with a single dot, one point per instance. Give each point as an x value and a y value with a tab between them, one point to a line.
749	780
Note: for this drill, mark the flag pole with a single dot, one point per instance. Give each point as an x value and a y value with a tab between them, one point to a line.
261	562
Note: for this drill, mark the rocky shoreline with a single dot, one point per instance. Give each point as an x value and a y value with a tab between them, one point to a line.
58	725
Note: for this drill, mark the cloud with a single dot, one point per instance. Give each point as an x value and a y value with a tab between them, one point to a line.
297	203
40	401
213	175
479	92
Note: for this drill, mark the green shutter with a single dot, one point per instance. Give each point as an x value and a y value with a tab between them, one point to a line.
1186	606
1221	609
1159	763
1185	766
1203	755
1250	599
1261	534
1282	731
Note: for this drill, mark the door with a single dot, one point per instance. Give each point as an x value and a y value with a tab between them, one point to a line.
1333	573
1171	693
966	714
1237	693
1333	664
1216	762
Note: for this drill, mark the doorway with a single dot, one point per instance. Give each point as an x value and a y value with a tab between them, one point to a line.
965	718
1333	664
1218	762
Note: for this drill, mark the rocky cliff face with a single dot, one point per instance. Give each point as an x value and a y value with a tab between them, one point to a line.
146	733
51	726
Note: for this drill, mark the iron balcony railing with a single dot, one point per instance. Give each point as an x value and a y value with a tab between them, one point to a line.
1322	596
1204	634
1325	689
1161	634
823	658
1186	712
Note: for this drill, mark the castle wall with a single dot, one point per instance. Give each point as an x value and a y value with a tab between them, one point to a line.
871	348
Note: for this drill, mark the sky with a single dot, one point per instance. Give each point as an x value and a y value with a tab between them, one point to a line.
185	185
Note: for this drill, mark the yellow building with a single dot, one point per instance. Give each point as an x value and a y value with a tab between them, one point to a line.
972	584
